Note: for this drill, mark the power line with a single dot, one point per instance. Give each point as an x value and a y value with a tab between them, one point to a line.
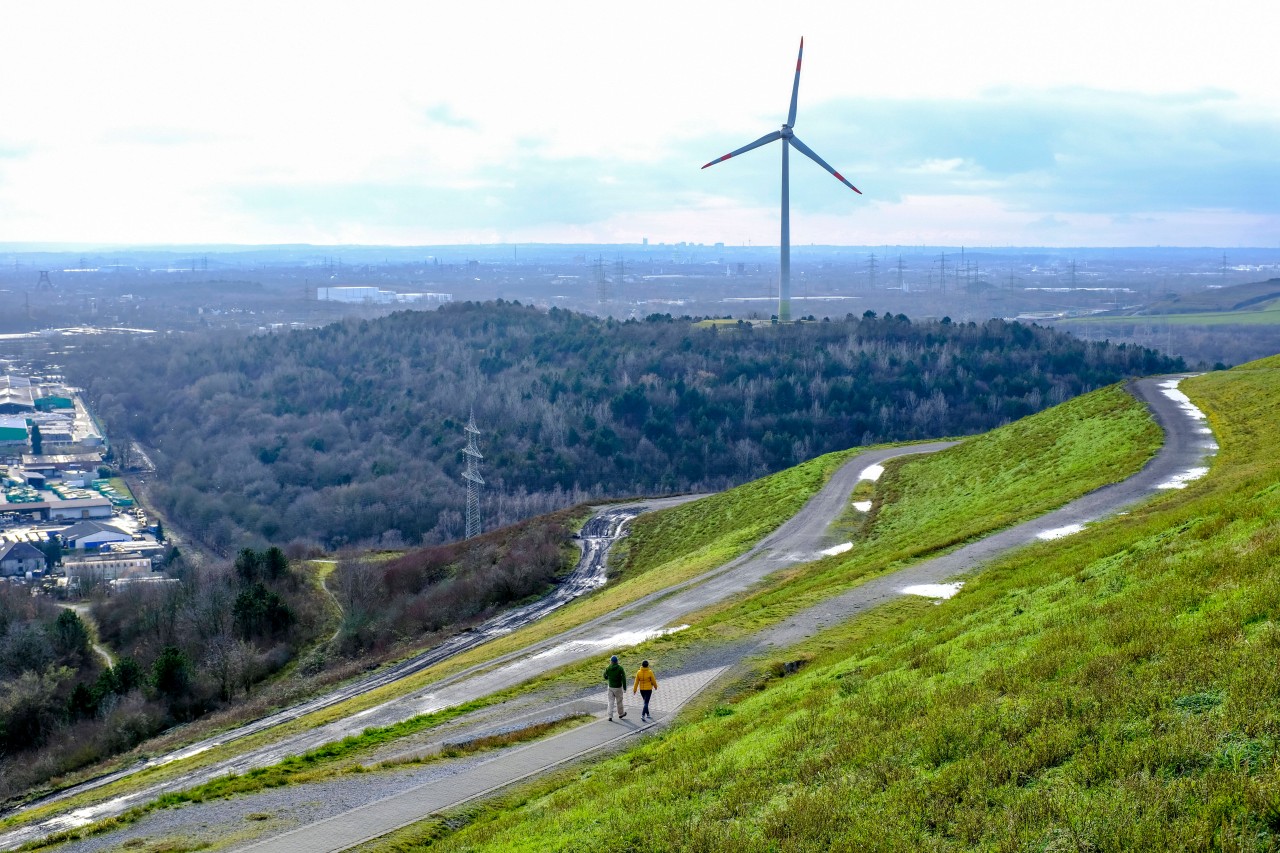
472	476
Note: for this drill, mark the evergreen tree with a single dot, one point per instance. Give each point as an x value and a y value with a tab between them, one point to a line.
70	636
171	673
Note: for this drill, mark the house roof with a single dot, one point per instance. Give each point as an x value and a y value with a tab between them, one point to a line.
20	551
87	528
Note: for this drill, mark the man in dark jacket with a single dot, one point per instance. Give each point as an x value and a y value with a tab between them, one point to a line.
616	680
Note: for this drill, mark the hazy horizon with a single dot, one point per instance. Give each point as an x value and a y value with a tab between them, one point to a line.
321	123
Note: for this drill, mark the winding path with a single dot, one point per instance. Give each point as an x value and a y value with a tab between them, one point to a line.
82	610
799	540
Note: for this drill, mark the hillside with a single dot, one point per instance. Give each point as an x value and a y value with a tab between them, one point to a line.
1113	690
352	433
1064	452
1211	325
1235	298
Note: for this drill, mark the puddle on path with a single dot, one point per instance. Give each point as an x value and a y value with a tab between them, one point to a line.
1180	481
1169	388
621	640
1060	532
933	590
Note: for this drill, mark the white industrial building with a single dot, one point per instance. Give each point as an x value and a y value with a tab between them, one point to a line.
92	534
16	394
106	568
376	296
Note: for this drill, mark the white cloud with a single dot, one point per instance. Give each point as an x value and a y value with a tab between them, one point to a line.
251	122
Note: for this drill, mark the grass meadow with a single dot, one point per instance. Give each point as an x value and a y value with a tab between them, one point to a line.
1114	690
921	506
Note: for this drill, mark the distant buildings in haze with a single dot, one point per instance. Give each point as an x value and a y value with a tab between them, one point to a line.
377	296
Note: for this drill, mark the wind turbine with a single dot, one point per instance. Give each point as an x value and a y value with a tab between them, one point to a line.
788	137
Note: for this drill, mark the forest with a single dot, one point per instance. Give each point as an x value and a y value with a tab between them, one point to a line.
425	594
351	434
201	642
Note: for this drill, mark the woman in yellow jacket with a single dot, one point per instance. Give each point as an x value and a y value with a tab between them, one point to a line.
646	684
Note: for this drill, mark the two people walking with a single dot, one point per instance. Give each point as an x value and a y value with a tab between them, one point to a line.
616	679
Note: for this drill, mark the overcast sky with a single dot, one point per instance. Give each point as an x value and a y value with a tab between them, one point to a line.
985	124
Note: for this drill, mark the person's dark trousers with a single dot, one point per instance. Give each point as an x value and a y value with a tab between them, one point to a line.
645	694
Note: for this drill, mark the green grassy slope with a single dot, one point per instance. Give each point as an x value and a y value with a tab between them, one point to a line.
1111	691
696	539
1264	315
719	527
1108	691
926	504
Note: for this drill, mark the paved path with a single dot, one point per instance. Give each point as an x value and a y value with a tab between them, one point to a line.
1187	443
1185	448
354	827
607	525
799	540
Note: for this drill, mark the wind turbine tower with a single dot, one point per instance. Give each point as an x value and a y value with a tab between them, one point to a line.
789	139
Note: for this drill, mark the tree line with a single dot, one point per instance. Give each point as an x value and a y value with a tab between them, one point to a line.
351	434
183	649
426	594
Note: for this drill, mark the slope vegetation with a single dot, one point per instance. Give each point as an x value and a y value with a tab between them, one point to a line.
1112	690
1061	454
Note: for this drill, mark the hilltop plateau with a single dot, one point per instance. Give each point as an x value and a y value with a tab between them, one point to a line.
351	434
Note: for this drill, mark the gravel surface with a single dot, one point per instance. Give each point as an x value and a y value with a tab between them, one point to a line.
224	824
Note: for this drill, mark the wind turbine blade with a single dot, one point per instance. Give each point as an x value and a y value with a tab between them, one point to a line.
808	152
764	140
795	87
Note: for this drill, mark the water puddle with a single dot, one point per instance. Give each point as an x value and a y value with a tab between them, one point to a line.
939	591
1060	532
85	816
622	640
1169	388
1180	481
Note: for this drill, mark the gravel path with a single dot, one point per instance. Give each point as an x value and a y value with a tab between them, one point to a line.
222	824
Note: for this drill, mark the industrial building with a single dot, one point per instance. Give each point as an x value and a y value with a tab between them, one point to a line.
13	431
376	296
16	395
93	534
64	422
106	568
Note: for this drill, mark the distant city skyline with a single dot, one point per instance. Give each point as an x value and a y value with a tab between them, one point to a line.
1000	124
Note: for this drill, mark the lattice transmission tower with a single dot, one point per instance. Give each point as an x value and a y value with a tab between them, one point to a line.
473	478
